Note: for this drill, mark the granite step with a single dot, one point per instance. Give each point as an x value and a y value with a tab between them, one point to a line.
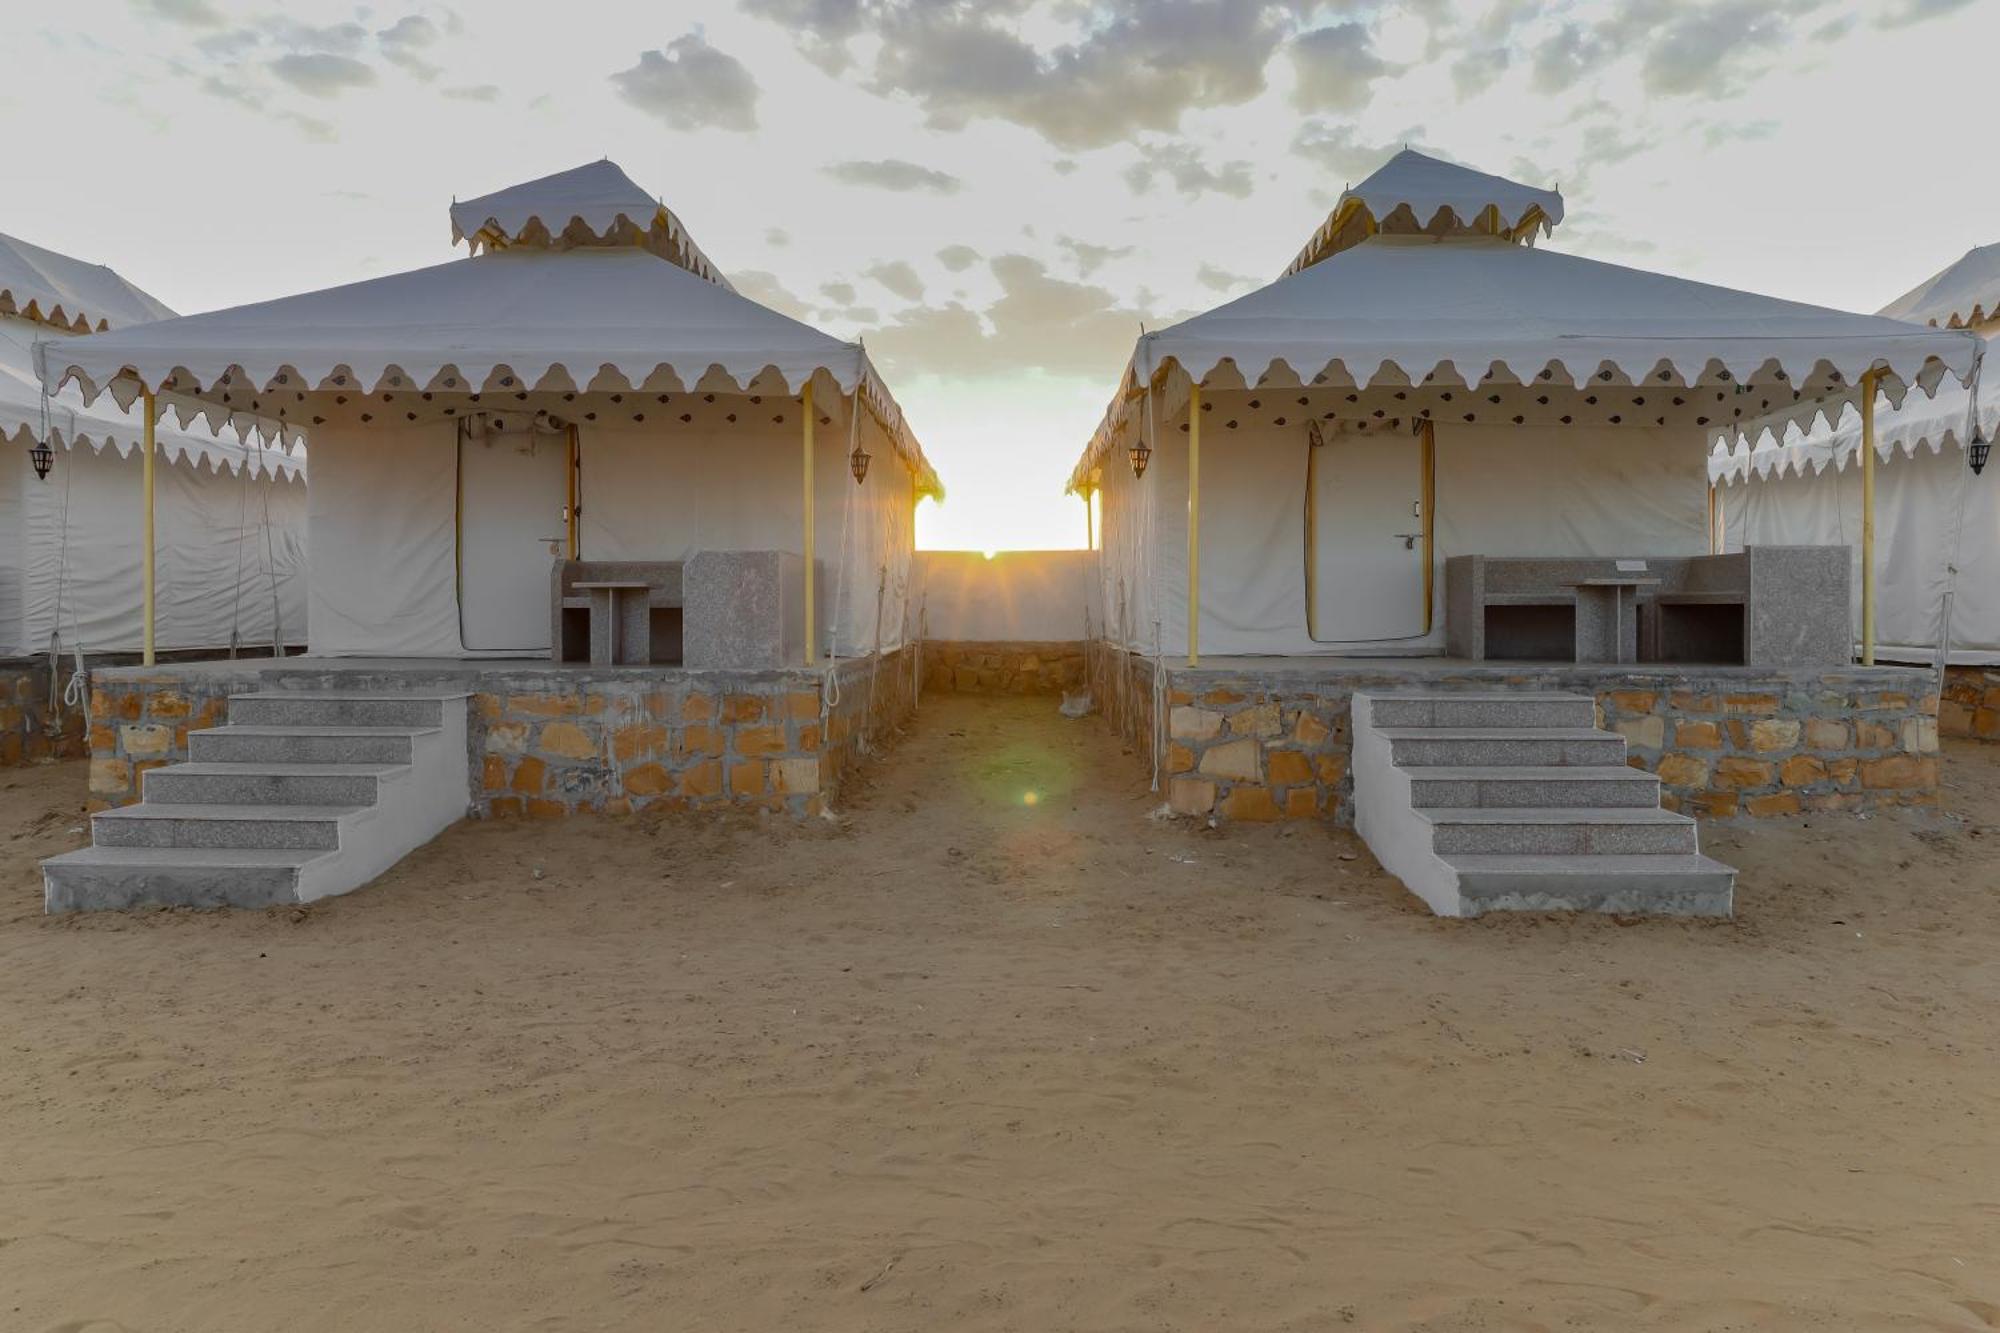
267	783
150	824
1560	832
258	743
1425	747
1484	708
1688	884
1562	786
350	708
110	878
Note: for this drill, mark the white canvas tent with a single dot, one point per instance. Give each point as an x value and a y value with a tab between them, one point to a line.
1422	383
230	514
586	337
1937	523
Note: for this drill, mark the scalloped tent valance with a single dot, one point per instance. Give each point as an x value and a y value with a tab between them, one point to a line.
523	319
1922	422
1963	293
65	421
51	288
1413	194
1405	326
595	204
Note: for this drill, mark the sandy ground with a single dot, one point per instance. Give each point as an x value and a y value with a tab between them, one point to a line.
968	1060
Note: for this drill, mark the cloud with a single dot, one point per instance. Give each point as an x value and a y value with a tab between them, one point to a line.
1039	322
1342	154
402	40
766	290
1335	68
777	236
1221	280
1181	164
1917	11
840	293
899	278
1130	68
691	85
477	92
194	13
1090	258
322	74
958	258
895	174
1476	71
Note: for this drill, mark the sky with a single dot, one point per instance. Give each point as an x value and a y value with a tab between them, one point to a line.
997	197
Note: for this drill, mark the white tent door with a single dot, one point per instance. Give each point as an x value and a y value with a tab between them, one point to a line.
511	494
1366	537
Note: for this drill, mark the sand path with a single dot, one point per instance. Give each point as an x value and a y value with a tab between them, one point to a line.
968	1061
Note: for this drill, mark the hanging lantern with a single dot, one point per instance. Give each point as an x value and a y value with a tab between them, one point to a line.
42	457
857	463
1141	453
1979	450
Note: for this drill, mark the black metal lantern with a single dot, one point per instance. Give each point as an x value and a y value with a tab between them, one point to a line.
1978	451
42	457
1142	454
857	463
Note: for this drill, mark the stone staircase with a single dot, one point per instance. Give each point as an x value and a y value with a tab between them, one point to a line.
1486	802
303	795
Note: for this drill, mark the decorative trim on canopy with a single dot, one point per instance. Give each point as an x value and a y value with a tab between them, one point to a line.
52	288
1416	194
1964	293
595	204
1935	422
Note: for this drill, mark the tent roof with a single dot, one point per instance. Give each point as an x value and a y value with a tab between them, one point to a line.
1408	319
1412	192
1966	291
594	204
1924	421
592	318
70	423
52	288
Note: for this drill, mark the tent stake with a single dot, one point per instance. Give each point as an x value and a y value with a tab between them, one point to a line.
1868	381
806	409
146	485
1194	525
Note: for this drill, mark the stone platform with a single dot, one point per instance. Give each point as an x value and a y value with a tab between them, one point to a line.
1264	738
546	740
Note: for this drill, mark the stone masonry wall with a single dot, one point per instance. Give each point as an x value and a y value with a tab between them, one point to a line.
550	743
141	719
29	732
1970	708
1003	668
1726	743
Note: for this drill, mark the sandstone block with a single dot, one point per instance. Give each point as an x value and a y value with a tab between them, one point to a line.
1769	735
1697	736
1236	760
1194	724
1736	773
1682	770
1190	796
566	740
1250	803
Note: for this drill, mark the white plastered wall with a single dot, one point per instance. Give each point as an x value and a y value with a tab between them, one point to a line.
1012	596
1917	538
1501	490
384	501
223	543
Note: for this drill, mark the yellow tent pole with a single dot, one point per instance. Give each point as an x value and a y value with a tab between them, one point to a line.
1194	525
570	542
1089	523
146	482
806	436
1868	518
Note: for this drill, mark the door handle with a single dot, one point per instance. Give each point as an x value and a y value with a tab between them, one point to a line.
1409	539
